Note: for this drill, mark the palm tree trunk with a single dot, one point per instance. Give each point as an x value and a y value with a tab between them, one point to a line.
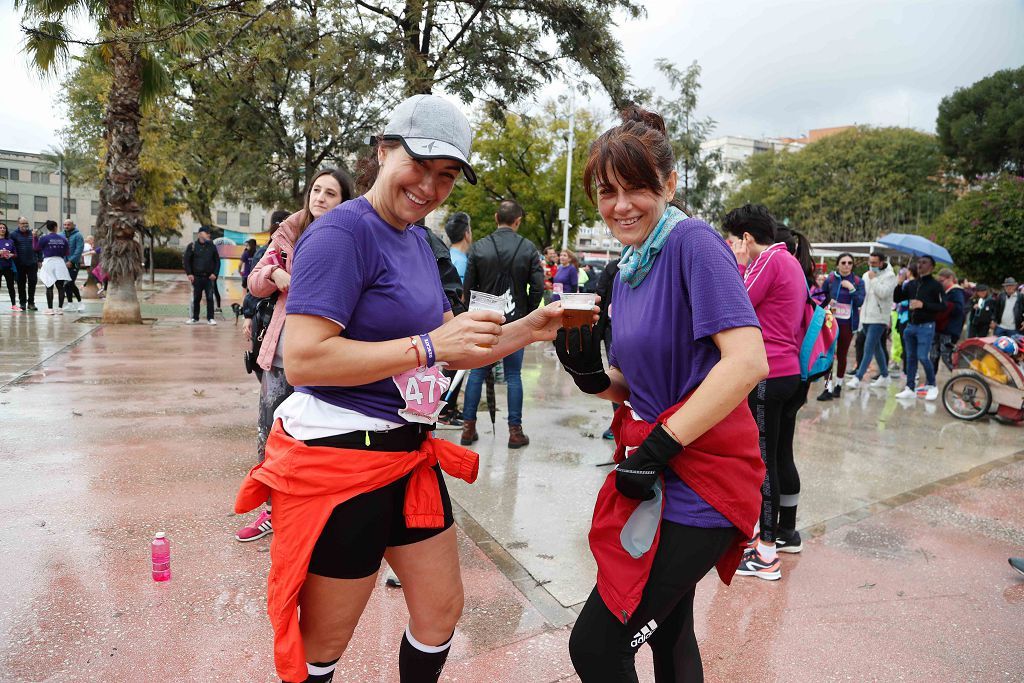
122	257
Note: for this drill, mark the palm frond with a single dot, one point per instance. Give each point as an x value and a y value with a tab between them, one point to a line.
46	44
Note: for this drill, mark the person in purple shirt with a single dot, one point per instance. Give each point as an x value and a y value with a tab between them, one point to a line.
369	329
7	253
568	274
54	250
683	326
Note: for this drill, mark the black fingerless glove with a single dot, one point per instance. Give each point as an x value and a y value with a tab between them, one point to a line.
579	350
635	476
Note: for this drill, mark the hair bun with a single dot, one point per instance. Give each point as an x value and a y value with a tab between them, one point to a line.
648	118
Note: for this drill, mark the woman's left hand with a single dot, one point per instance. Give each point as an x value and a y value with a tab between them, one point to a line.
544	322
848	286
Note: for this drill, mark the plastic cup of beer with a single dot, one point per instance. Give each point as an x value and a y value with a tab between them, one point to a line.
578	309
482	301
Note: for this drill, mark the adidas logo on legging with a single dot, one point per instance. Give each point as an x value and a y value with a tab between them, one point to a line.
645	632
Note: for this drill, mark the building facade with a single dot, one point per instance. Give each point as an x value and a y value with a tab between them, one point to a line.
597	241
31	187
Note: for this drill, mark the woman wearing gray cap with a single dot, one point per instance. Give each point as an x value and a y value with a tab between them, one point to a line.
354	470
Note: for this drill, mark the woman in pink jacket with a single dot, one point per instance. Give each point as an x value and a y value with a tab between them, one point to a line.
272	275
777	285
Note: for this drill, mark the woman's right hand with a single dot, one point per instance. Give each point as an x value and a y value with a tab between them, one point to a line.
466	336
282	279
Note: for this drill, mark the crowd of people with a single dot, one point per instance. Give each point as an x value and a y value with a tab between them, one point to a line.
50	255
363	323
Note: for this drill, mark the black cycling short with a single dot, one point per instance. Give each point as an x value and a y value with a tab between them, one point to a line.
352	543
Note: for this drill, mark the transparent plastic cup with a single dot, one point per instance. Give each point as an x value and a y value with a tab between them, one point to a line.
482	301
578	309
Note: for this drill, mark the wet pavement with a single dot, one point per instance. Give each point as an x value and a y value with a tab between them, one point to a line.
110	434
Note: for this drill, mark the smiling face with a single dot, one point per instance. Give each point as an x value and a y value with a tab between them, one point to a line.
324	195
563	258
407	189
632	213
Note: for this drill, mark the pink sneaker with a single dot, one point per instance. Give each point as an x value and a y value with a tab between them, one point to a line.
259	528
16	309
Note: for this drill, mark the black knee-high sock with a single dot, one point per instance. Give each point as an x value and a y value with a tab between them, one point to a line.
787	511
60	296
321	672
419	663
49	296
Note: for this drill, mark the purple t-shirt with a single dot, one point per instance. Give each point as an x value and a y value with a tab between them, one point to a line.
662	332
53	244
568	277
9	246
379	283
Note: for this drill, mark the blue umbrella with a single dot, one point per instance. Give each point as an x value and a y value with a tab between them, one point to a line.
916	245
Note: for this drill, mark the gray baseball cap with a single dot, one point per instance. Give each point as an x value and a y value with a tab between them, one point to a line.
431	127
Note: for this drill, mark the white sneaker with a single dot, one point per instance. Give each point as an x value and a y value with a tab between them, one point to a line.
931	393
60	311
190	321
853	382
907	393
881	382
211	321
48	311
81	307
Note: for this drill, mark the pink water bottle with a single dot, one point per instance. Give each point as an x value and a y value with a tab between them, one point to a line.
160	549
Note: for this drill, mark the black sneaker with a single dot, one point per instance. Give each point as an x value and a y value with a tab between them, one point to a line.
32	307
837	391
825	395
787	541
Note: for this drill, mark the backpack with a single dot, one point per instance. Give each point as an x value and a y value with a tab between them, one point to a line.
821	336
504	284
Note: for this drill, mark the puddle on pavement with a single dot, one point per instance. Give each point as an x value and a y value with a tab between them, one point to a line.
565	457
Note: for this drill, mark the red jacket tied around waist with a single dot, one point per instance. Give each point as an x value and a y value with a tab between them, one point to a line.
723	466
308	482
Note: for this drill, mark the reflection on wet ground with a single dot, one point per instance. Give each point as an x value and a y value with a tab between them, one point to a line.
111	434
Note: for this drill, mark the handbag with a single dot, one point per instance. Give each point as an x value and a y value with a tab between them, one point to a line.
263	313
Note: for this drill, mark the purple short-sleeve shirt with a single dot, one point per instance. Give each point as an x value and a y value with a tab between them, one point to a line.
662	333
378	283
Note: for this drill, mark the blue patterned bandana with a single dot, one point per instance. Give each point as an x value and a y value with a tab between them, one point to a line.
636	263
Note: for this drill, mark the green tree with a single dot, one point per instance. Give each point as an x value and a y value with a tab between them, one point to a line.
297	90
126	30
698	170
499	52
981	127
523	158
159	191
852	186
983	230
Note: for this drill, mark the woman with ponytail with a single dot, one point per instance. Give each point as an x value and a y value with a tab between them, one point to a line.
686	352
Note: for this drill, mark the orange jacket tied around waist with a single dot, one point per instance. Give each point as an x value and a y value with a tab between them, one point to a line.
308	482
723	466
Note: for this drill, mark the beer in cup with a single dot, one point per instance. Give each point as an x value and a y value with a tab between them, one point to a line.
578	309
482	301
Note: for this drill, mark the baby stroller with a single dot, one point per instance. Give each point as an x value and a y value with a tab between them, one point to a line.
987	379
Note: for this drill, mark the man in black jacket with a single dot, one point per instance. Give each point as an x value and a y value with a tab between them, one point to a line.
202	263
979	321
27	260
926	303
504	263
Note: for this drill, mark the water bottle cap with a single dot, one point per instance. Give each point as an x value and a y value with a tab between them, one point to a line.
160	534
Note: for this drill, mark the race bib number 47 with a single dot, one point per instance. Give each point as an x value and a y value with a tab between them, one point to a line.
423	390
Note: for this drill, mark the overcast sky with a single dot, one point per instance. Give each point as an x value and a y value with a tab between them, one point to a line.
770	67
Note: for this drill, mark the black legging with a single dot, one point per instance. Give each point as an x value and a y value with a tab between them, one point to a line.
843	347
59	284
8	275
603	648
70	288
770	400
